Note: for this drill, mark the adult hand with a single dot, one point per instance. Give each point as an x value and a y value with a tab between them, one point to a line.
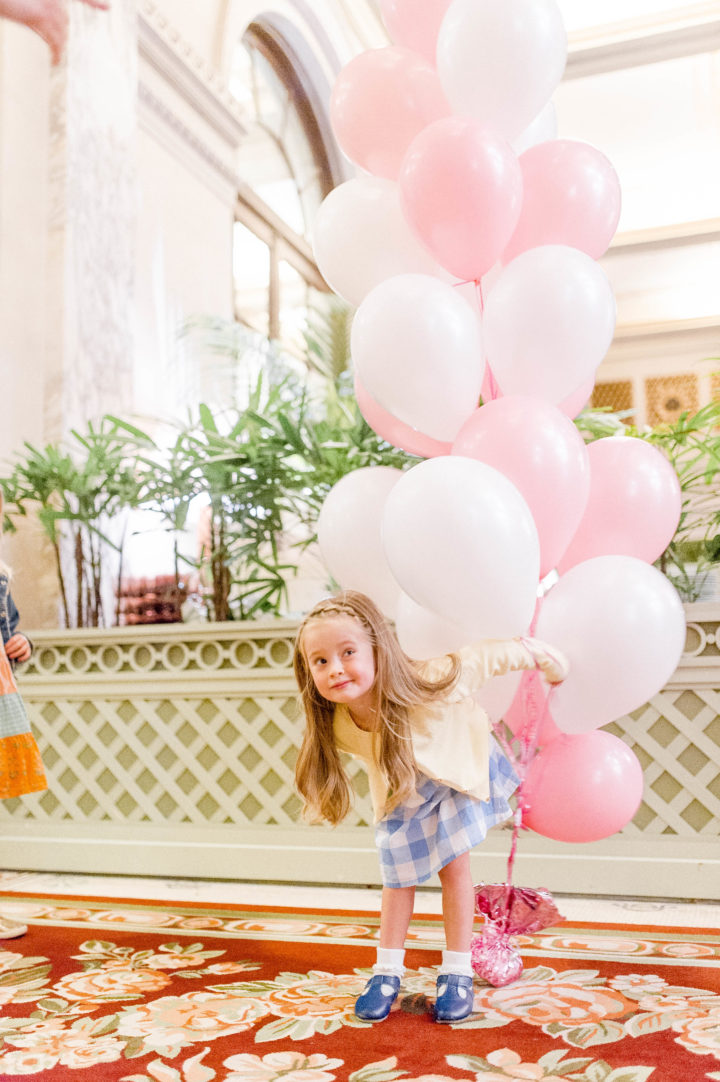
48	18
18	648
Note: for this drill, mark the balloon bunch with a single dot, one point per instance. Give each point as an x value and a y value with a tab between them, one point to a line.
470	246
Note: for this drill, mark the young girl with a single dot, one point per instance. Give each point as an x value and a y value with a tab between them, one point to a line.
438	780
21	769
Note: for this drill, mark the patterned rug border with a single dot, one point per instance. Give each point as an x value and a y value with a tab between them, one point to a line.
234	918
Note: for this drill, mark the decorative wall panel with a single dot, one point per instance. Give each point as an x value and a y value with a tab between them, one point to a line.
177	733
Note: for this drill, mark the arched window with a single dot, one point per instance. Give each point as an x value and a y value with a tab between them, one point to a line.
286	172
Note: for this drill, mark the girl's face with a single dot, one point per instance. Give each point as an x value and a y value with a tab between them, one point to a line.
341	660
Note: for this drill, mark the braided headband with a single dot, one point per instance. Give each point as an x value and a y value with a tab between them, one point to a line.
331	608
334	606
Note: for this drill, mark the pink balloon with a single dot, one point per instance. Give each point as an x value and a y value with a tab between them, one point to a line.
461	191
576	402
582	788
571	195
541	451
634	505
528	715
379	103
415	25
397	432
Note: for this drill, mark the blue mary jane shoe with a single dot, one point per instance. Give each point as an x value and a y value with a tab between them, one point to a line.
377	998
454	997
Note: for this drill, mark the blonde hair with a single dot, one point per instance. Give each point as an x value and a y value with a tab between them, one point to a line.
320	776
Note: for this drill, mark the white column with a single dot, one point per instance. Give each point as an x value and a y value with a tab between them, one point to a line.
93	213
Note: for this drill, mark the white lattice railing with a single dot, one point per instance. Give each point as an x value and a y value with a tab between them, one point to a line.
170	750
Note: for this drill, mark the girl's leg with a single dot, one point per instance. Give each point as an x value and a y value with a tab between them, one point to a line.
458	903
395	913
454	999
382	989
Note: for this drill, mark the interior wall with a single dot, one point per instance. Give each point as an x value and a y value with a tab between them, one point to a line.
24	210
24	120
657	122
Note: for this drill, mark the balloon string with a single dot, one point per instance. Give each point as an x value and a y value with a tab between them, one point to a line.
535	718
492	384
493	389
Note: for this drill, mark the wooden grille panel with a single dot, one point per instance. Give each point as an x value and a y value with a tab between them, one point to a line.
175	726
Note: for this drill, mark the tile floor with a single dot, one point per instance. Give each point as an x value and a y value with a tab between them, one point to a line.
612	910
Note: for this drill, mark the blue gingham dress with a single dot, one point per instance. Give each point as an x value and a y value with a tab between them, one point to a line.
437	824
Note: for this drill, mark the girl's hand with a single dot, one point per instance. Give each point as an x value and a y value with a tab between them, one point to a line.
18	648
552	662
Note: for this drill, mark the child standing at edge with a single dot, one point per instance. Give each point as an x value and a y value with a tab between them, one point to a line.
21	769
438	781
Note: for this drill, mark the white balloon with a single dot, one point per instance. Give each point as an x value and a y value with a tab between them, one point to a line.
496	696
361	237
349	534
500	60
423	634
543	128
548	322
621	625
417	350
460	540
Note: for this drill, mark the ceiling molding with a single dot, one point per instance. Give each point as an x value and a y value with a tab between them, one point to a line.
700	326
676	235
638	48
186	146
681	342
162	48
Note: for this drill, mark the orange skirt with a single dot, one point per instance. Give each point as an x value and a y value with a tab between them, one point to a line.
21	768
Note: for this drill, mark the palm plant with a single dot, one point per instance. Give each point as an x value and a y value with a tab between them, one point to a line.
266	468
692	444
77	491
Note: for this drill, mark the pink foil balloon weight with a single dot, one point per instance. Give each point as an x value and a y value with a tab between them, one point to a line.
582	788
540	450
461	191
414	24
634	504
508	911
397	432
494	958
379	103
571	195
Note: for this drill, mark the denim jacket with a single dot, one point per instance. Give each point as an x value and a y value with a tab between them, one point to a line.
9	616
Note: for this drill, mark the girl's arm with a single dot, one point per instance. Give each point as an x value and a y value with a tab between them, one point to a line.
495	657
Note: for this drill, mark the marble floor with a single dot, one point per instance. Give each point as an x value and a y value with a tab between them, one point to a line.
612	910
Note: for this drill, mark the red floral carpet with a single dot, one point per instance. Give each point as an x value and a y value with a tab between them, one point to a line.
114	991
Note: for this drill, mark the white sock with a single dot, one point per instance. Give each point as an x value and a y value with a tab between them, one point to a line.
390	962
456	962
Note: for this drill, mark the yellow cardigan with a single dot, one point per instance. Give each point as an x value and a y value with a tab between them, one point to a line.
451	735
